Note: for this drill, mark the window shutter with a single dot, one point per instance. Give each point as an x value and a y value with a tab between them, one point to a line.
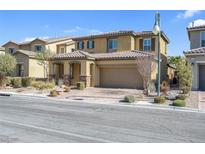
93	44
83	45
141	44
77	45
88	44
153	44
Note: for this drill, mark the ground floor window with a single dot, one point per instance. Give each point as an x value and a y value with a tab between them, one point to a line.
20	70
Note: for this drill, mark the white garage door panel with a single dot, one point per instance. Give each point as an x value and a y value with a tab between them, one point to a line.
120	78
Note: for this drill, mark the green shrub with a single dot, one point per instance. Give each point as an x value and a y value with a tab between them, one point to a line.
159	99
185	89
54	93
42	85
81	85
26	81
181	96
8	80
16	82
129	99
179	102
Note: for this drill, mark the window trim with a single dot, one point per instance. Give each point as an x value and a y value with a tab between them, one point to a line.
39	45
112	49
92	44
201	38
79	45
63	50
150	39
13	50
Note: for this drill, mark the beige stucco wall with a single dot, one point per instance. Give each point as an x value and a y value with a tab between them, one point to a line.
11	45
36	70
195	39
36	42
53	46
163	44
24	60
125	43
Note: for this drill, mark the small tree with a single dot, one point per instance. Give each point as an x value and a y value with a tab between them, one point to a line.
43	59
145	66
184	72
7	66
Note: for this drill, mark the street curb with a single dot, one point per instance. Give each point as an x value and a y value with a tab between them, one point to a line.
17	94
150	106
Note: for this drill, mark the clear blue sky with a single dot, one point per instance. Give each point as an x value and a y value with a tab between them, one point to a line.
24	25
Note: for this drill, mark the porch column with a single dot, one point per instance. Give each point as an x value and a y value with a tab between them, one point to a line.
85	73
52	69
195	74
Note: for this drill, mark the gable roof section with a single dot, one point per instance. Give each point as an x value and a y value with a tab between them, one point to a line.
26	52
121	33
107	34
195	28
10	42
125	55
197	51
48	41
150	33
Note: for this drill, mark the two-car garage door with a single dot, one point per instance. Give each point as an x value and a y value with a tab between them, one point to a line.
120	77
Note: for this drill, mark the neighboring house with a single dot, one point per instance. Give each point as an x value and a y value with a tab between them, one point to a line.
2	50
109	59
25	53
196	55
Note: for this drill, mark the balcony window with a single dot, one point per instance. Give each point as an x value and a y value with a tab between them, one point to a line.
112	44
39	48
11	50
202	39
90	44
80	45
147	44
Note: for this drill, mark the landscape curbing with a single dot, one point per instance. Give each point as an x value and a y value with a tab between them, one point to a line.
151	106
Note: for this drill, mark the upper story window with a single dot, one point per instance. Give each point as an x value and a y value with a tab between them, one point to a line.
80	45
90	44
38	48
147	44
202	39
62	50
11	50
112	44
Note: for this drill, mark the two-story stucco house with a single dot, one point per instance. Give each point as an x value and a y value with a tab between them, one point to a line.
109	59
196	55
25	54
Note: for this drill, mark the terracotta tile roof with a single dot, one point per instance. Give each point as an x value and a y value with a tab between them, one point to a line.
120	33
107	34
103	56
27	53
121	55
74	55
196	27
196	51
49	40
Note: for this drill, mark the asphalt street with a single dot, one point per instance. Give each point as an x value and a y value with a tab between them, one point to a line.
27	119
